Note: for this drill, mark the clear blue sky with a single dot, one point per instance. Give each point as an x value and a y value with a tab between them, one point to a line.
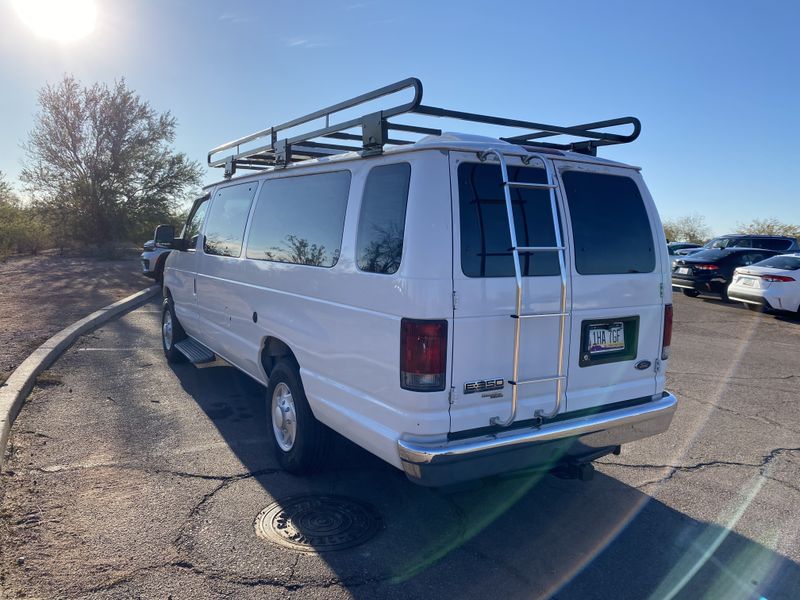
716	84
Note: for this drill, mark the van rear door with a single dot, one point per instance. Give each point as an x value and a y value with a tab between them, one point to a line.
617	285
485	293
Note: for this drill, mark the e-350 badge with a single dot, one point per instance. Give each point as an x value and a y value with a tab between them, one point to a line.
484	385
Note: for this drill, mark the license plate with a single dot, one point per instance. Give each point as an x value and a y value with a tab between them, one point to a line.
747	281
606	338
682	271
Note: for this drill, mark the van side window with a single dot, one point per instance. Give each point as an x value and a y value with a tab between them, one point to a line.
227	219
485	238
194	225
300	219
379	246
610	226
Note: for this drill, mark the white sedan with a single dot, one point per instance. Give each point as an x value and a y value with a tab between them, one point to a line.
773	284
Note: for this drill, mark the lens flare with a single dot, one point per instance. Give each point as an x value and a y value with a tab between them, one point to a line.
60	20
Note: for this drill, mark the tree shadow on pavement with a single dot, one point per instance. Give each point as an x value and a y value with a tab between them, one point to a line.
525	536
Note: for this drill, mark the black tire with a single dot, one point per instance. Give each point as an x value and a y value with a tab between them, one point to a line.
311	439
691	293
723	295
177	333
158	274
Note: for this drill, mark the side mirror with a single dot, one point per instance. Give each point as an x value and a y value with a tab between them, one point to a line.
164	236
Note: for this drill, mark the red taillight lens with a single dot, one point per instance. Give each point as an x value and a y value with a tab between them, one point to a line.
423	355
706	267
667	337
777	278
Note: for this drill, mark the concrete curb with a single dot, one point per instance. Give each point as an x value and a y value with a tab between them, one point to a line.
17	387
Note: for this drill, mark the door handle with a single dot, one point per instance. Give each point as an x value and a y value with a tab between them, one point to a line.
194	286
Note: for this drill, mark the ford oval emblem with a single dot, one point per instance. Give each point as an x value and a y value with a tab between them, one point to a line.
643	364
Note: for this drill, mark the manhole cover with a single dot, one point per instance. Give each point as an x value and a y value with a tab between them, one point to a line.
318	523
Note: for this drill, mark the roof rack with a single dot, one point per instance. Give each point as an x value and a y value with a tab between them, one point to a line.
376	127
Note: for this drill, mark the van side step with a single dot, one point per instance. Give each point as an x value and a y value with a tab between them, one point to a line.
195	351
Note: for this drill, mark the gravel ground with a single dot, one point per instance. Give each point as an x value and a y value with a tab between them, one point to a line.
128	478
40	295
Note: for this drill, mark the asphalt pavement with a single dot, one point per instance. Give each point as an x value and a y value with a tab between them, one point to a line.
129	478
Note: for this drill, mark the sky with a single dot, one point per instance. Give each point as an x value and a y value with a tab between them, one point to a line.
716	84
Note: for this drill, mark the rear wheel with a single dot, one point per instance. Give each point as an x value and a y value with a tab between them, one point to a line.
691	293
171	332
301	442
723	295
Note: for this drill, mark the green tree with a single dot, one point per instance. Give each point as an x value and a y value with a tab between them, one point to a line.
7	195
689	228
99	162
21	228
769	226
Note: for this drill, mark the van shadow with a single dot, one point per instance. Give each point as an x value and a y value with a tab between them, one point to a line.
524	536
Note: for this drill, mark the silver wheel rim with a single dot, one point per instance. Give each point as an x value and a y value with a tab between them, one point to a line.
166	329
284	417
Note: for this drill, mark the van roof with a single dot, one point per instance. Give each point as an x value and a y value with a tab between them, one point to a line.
373	133
447	141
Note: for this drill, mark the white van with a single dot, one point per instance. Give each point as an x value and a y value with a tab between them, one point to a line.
457	305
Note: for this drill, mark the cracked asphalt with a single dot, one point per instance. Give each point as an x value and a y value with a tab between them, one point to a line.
127	478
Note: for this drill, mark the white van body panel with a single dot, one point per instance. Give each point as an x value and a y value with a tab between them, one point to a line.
343	324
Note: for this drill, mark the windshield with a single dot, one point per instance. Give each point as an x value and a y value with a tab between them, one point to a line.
789	263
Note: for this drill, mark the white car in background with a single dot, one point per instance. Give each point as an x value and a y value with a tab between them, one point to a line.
773	284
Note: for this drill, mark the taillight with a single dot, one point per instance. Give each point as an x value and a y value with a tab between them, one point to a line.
667	337
423	355
706	267
777	278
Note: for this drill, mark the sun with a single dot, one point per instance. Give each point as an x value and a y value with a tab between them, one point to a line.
60	20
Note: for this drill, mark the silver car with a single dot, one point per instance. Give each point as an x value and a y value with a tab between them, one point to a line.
152	260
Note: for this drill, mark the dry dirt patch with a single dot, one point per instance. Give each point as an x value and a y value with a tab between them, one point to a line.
40	295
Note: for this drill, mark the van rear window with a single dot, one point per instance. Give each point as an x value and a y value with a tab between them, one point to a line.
379	245
610	227
485	238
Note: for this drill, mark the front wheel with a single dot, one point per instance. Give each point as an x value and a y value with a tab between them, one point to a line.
171	332
301	442
691	293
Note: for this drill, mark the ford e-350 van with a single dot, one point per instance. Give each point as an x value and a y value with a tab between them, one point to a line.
457	305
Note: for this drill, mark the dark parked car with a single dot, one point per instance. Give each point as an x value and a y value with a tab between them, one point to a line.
781	243
674	249
711	271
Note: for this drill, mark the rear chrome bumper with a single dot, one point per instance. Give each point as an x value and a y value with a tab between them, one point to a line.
575	440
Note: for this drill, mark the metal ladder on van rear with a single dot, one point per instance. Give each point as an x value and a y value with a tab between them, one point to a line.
559	378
